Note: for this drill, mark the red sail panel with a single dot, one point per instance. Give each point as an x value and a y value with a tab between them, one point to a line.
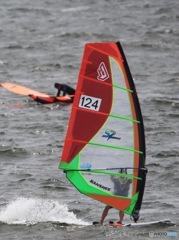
119	203
95	81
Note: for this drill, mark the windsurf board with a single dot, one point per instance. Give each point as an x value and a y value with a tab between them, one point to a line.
139	224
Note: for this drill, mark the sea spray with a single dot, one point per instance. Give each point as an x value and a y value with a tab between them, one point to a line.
35	210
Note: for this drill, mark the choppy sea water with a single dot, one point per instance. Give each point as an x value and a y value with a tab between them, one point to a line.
41	43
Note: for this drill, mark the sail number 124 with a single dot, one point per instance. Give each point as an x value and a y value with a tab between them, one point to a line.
90	103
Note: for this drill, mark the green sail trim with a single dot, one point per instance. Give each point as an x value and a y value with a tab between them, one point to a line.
85	188
116	147
72	165
130	208
116	86
124	118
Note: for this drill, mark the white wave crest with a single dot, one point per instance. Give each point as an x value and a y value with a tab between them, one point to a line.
33	210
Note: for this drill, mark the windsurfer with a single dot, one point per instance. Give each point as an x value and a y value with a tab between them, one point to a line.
105	213
65	89
121	188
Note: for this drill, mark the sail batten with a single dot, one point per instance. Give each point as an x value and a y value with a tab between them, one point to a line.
124	118
116	147
110	115
107	173
104	145
125	89
106	131
93	79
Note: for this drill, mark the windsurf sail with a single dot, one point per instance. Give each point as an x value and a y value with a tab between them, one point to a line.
20	89
104	149
51	99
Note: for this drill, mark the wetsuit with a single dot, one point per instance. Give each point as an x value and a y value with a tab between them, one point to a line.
65	89
121	189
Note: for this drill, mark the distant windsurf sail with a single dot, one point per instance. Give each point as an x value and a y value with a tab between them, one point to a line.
20	89
104	149
51	99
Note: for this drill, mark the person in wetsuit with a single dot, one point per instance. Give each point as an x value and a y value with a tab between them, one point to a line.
121	188
64	89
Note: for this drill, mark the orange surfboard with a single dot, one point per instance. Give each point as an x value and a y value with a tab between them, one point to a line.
37	96
21	90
